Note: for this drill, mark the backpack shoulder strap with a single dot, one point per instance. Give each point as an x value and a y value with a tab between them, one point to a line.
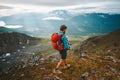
61	37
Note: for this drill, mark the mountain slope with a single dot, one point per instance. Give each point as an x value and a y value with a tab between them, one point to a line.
11	41
104	43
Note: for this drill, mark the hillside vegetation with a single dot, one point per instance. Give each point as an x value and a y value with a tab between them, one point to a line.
109	42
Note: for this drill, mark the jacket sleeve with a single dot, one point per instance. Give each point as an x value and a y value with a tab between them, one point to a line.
65	42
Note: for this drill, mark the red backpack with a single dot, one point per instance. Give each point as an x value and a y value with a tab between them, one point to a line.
56	41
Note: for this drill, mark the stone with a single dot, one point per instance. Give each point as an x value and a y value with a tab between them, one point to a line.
54	60
85	75
42	59
43	68
28	41
22	75
23	47
111	69
18	50
7	54
20	42
3	60
111	58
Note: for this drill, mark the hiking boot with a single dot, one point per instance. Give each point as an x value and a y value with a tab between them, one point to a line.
67	66
57	71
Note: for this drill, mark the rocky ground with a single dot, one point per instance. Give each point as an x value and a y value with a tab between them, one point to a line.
89	67
103	66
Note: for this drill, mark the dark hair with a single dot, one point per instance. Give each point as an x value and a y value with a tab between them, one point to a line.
63	27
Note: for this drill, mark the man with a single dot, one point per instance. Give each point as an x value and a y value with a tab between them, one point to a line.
63	52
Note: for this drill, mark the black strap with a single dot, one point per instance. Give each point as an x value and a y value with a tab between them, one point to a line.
61	37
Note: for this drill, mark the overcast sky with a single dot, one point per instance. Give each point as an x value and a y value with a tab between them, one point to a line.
54	2
8	7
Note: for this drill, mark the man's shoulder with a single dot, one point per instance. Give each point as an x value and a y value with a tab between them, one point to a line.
59	32
63	36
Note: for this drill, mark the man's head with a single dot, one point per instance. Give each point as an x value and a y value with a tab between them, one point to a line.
63	28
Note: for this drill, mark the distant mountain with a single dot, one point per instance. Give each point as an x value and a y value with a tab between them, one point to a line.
109	42
78	24
60	13
4	29
12	41
97	22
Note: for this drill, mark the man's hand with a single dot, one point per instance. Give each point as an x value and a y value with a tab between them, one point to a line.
67	48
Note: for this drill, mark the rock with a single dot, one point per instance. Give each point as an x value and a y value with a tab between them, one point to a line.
15	52
6	72
111	58
20	42
3	60
57	78
102	78
108	50
13	74
28	41
83	59
53	77
33	54
22	75
54	60
84	76
43	68
36	64
23	47
23	66
42	60
8	62
17	57
7	54
18	50
82	54
111	69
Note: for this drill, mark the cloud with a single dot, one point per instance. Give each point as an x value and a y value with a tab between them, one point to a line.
3	24
20	8
10	7
59	3
5	7
53	18
13	26
103	7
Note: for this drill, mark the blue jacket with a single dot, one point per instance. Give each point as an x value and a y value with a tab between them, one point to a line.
64	40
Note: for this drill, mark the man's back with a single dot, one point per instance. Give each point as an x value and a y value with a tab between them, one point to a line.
64	40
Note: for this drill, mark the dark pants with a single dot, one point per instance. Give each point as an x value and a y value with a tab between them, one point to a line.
63	54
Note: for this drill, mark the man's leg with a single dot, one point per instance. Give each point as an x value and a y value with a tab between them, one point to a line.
56	70
62	60
65	61
67	66
60	63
